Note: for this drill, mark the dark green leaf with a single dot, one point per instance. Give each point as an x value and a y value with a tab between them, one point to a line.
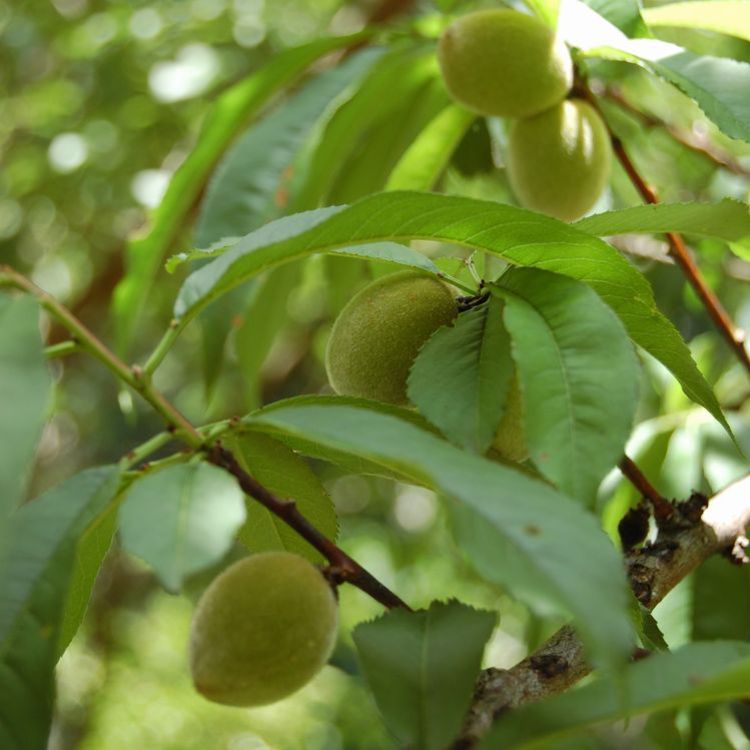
696	674
461	377
26	387
227	117
578	375
182	519
289	477
518	236
421	667
524	534
33	589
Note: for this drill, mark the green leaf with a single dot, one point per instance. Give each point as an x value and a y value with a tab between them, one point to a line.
90	552
226	118
424	161
243	192
728	220
261	321
289	477
182	519
578	375
33	588
721	601
345	459
26	387
524	534
460	378
422	666
518	236
696	674
717	84
547	10
625	14
391	84
731	17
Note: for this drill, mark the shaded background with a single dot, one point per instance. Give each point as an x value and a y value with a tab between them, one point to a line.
99	104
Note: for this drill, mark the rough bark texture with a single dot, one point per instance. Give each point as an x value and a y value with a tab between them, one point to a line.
693	534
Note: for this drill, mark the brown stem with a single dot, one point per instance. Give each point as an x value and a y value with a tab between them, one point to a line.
734	336
663	509
346	569
677	249
654	570
701	144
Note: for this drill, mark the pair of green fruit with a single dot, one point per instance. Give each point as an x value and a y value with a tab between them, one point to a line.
379	333
506	64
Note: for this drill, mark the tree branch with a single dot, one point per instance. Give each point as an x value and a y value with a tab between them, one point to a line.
677	249
654	570
343	568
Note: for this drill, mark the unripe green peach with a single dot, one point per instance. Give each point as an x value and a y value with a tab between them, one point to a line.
504	63
510	439
262	630
559	161
380	331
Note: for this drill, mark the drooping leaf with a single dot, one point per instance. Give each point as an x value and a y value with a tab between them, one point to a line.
578	375
460	378
728	220
422	666
731	17
698	673
424	161
287	475
518	236
181	519
226	118
33	588
26	386
390	84
718	85
518	531
90	551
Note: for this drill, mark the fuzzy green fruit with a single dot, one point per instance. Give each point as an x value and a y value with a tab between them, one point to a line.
510	439
262	630
504	63
379	333
559	161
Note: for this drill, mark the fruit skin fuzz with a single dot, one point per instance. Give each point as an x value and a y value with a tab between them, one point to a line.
263	629
504	63
380	331
559	161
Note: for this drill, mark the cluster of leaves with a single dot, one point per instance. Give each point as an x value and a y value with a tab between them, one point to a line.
334	177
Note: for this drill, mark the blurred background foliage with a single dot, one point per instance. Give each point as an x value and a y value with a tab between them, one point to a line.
100	103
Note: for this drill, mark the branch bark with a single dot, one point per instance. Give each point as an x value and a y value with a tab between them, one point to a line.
654	570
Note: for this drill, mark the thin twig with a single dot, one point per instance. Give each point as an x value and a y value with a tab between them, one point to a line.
734	336
663	509
344	568
700	144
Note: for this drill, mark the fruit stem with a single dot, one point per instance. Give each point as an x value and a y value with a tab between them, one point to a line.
663	509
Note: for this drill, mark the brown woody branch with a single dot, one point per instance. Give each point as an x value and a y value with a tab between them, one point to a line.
654	570
677	249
